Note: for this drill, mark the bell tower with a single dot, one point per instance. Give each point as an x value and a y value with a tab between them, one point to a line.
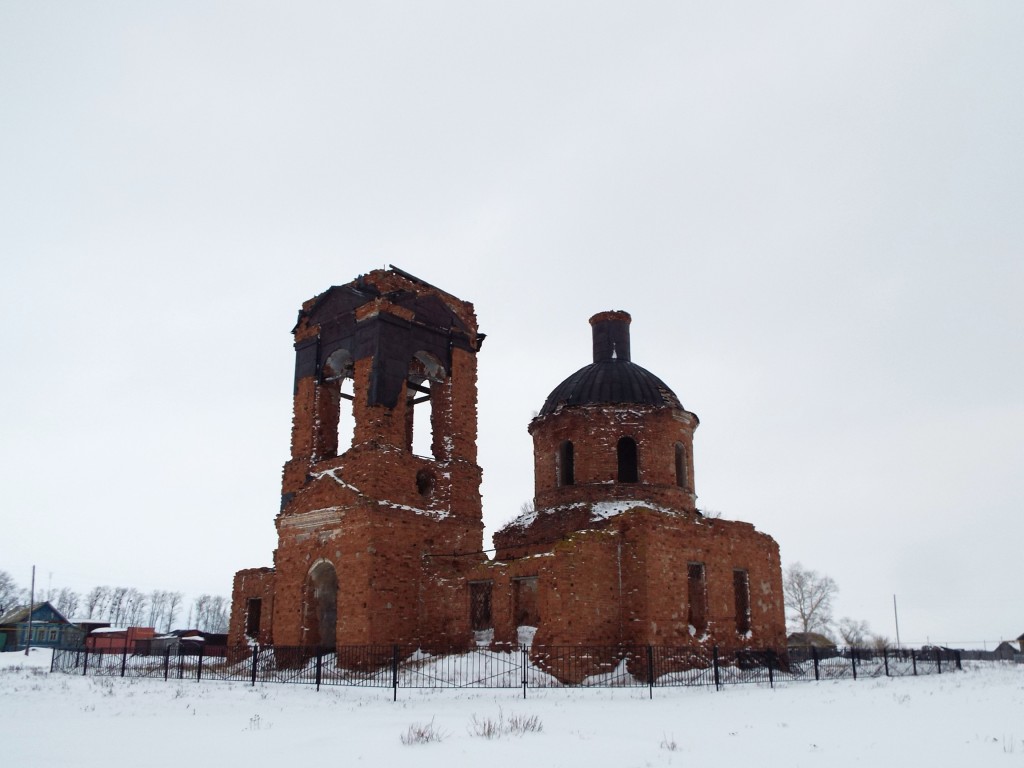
383	459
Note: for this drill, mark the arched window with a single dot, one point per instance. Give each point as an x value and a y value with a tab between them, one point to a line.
334	403
425	482
566	464
628	471
425	372
320	607
680	465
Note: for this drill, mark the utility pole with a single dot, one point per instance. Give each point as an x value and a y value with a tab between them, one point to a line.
31	605
896	614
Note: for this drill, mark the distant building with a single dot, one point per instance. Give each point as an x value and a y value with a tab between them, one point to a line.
809	640
47	629
119	639
1005	651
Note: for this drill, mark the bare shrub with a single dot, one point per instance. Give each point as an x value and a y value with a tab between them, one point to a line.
520	724
485	728
422	733
515	725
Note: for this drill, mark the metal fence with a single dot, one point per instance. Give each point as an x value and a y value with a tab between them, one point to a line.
394	666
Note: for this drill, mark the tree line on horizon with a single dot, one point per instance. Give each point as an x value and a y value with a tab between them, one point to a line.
123	606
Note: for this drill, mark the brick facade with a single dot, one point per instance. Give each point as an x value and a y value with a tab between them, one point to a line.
378	545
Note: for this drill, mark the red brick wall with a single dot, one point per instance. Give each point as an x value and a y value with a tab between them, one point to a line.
609	558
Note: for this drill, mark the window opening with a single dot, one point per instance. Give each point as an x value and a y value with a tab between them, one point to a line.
697	597
425	372
627	460
525	609
680	465
480	619
566	464
741	593
335	404
253	609
321	605
425	482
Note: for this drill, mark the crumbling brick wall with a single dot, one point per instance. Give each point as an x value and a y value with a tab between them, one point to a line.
377	545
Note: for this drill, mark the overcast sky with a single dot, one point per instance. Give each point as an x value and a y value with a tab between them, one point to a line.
813	212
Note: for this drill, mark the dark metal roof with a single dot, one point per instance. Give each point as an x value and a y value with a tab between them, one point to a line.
614	381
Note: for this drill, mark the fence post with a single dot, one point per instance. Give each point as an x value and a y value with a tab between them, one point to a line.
853	661
814	655
650	670
167	661
714	662
885	658
958	666
124	657
525	660
53	658
319	666
199	666
255	658
85	661
181	663
938	659
394	671
913	660
771	675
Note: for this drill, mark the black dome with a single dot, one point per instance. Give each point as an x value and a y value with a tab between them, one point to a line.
611	381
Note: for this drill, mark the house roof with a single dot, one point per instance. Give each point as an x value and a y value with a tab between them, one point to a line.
19	614
809	639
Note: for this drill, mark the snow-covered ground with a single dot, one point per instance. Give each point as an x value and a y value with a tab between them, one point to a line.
970	718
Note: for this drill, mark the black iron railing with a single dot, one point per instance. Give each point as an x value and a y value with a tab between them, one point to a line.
396	666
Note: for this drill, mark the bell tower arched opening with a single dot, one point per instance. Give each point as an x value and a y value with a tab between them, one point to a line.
426	374
335	399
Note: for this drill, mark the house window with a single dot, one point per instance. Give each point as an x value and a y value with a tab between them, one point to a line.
52	635
566	464
480	605
697	596
680	465
627	460
253	611
741	596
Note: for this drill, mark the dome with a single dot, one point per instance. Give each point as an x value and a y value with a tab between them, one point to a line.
612	378
611	381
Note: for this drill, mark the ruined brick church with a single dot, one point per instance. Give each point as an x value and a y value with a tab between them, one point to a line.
378	545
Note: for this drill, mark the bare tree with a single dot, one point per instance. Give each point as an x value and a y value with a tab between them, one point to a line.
116	609
211	613
808	598
11	595
173	606
96	602
67	602
880	642
157	606
134	607
853	632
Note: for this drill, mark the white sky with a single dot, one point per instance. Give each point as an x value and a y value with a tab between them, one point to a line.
812	211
